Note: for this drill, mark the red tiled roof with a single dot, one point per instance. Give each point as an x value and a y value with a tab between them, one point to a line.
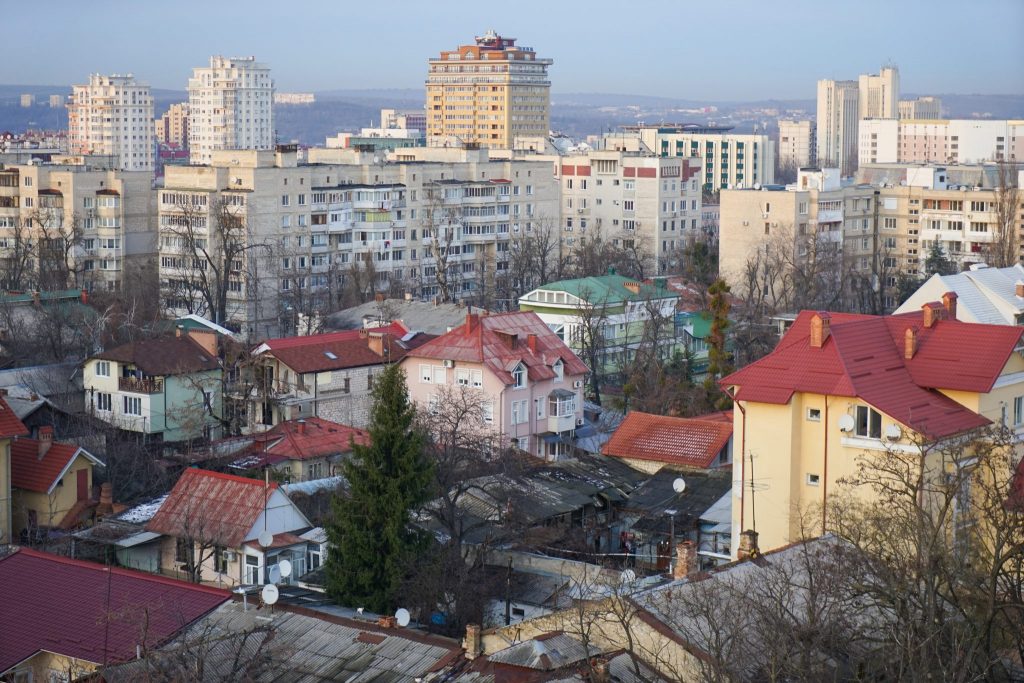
211	506
863	356
694	442
10	425
29	472
310	438
163	356
89	611
501	342
350	348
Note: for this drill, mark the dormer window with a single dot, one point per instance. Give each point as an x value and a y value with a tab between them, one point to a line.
519	377
559	369
868	423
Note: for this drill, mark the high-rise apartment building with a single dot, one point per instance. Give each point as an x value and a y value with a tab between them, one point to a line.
488	94
230	107
940	141
879	94
797	143
838	110
113	116
172	127
921	108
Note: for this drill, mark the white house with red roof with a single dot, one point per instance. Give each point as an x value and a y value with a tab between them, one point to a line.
324	375
213	523
839	386
529	383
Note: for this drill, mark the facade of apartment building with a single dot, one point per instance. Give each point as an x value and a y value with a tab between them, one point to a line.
230	106
95	225
940	141
729	159
113	116
879	94
306	228
488	93
172	126
838	112
797	141
528	383
921	108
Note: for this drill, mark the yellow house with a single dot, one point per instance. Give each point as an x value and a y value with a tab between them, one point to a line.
10	428
839	386
51	483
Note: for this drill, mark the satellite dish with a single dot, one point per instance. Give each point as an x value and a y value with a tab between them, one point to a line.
270	594
627	576
265	539
286	568
846	423
893	432
402	616
273	574
679	485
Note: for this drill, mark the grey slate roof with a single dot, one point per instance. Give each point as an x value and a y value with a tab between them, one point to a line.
985	295
650	500
422	316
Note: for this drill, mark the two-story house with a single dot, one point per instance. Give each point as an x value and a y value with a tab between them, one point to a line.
840	386
530	383
306	449
323	375
168	388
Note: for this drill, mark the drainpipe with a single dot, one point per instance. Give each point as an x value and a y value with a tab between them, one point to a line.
743	451
824	474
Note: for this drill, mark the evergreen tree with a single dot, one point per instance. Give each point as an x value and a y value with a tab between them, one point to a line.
938	262
372	543
719	358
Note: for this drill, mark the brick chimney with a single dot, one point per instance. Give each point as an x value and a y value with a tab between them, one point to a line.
748	545
531	341
909	343
949	302
686	560
472	643
379	297
179	331
300	427
375	340
820	323
84	296
106	505
599	670
45	440
387	621
933	313
472	320
1019	288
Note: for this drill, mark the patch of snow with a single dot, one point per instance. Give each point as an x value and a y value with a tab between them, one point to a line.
142	513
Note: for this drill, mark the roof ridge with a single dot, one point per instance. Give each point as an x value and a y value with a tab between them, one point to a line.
199	471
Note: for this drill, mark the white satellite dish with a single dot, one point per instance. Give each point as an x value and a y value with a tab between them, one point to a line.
893	432
265	539
846	423
627	576
286	568
270	594
273	574
679	485
402	616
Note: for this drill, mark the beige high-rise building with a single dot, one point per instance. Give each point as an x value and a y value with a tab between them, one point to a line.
796	143
879	94
921	108
838	110
172	127
113	116
230	107
488	93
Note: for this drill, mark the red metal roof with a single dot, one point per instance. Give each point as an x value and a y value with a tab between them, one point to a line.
211	506
312	437
10	425
347	349
29	472
863	357
89	611
694	442
501	342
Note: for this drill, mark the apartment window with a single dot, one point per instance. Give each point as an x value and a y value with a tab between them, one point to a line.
519	377
814	414
1018	410
285	200
103	368
132	405
487	411
104	402
520	412
868	423
462	377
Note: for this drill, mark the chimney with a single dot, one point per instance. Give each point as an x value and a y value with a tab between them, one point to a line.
106	505
408	296
301	427
376	343
472	642
949	301
205	338
1019	288
748	546
45	440
179	331
472	320
3	392
686	560
909	343
599	670
820	323
387	621
933	313
84	296
531	341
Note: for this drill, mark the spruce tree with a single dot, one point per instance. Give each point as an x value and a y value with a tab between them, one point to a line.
372	543
719	358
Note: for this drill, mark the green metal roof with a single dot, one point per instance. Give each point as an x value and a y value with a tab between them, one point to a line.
607	289
699	320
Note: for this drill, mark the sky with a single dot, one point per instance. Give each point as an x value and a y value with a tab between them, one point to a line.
689	49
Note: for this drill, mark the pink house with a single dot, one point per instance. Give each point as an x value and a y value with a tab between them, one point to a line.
530	383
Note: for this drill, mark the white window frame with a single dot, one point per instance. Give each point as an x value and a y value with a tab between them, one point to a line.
519	377
103	368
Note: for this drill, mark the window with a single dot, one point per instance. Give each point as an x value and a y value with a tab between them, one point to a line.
519	377
284	200
813	479
426	374
132	405
559	369
477	377
369	381
103	402
103	368
1018	410
868	423
520	412
539	405
347	386
487	411
814	414
220	559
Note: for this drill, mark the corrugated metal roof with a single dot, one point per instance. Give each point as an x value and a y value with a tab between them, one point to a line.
546	653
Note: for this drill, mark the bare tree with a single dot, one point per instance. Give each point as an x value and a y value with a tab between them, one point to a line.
17	259
1005	249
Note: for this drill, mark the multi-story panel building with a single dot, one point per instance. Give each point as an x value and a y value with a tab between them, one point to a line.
113	116
75	224
797	141
729	159
941	141
488	93
921	108
172	127
230	107
879	94
838	111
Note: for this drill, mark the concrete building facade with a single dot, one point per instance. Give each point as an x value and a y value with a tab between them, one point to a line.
838	112
113	116
879	94
230	107
797	140
921	108
941	141
172	127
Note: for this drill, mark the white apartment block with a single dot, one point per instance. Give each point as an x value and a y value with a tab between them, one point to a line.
940	141
310	228
879	94
838	111
797	143
99	221
921	108
230	107
113	116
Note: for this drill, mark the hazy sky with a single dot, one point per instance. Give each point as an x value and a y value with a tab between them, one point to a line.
699	49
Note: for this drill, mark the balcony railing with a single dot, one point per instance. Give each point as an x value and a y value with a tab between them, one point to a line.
140	385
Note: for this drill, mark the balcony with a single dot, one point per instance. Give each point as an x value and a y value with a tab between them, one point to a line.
830	215
140	385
